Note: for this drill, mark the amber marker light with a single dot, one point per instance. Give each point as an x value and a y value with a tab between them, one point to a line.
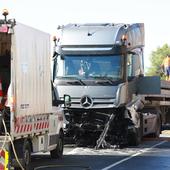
5	12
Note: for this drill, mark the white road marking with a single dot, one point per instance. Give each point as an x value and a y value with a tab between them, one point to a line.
132	156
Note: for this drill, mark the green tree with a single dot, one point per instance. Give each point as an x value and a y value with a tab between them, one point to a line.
156	59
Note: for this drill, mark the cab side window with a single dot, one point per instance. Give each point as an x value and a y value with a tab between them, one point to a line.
137	64
129	65
134	65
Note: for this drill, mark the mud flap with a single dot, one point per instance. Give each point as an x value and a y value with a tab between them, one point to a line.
146	85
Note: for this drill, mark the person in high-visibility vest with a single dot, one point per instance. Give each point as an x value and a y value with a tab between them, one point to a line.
166	66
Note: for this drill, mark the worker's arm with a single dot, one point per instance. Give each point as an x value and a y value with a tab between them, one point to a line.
162	65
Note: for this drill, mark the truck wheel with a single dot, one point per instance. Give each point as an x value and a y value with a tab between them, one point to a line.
134	138
24	157
158	127
57	153
27	156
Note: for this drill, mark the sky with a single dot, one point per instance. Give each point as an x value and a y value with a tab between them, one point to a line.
46	15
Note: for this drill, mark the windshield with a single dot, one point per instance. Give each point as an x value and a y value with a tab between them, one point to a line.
85	67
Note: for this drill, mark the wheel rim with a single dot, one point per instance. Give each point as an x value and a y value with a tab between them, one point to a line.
27	157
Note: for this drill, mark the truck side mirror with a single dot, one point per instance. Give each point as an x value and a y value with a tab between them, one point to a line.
67	100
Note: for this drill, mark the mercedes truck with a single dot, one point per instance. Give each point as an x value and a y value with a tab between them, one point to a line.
101	66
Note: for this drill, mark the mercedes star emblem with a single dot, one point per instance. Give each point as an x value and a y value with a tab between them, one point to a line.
86	102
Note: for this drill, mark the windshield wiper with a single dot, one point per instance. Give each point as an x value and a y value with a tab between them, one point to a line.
101	78
74	79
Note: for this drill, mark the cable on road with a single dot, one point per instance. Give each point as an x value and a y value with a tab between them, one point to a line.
63	166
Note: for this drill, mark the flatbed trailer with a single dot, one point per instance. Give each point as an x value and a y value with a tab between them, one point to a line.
163	100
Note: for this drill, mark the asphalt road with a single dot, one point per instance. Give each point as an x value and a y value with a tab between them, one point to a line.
151	154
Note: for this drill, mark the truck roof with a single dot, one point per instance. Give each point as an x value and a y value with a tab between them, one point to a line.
102	34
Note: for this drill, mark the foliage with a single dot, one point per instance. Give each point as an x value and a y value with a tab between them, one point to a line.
156	60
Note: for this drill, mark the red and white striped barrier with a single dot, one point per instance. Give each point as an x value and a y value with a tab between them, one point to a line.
4	160
40	122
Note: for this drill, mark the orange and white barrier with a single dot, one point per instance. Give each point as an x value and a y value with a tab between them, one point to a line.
4	159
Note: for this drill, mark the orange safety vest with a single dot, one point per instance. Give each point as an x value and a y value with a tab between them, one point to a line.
166	62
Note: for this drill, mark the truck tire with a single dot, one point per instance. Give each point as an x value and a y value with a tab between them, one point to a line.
135	135
26	157
158	127
57	153
134	138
